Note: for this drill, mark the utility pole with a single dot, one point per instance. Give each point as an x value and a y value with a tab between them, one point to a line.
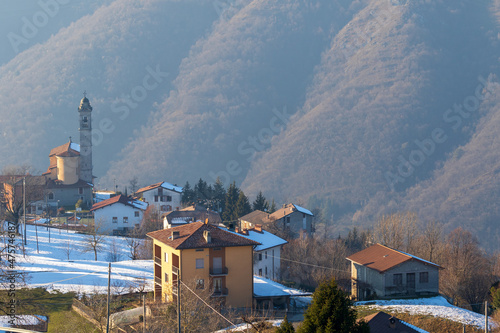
144	313
178	304
24	209
486	317
109	291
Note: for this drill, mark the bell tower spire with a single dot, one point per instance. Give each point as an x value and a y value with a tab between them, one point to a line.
85	112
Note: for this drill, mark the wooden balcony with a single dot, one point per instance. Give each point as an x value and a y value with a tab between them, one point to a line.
157	260
158	280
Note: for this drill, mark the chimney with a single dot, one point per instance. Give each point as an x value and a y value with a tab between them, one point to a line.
206	220
237	230
175	234
392	323
207	236
258	227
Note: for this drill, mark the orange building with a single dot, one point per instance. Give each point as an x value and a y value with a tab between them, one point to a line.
207	256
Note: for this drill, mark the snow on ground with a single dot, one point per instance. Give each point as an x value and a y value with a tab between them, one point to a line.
435	306
49	267
266	287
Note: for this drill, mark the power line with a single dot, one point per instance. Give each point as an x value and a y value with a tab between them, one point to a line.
206	303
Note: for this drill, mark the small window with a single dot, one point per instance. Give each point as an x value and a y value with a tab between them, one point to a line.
162	198
51	196
85	119
200	263
266	254
115	219
166	256
156	198
260	271
200	284
136	213
166	277
266	271
199	250
217	248
397	279
169	198
424	277
260	257
125	219
80	190
287	219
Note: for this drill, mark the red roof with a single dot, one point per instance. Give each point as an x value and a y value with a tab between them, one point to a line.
382	258
191	236
64	149
116	199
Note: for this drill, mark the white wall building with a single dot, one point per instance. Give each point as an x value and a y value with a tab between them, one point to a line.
119	214
164	196
267	256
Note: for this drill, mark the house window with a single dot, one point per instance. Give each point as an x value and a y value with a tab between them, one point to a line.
200	284
287	220
115	219
199	250
161	198
125	219
424	277
200	263
169	198
166	277
80	190
266	254
51	196
166	256
260	271
397	279
136	214
156	198
260	256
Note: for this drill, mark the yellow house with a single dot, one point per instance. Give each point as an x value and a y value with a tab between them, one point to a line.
210	257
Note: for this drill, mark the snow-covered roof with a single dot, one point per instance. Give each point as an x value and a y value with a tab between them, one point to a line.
75	146
121	199
303	210
164	185
263	287
267	239
24	320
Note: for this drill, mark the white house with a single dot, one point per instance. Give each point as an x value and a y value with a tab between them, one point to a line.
267	256
118	214
164	196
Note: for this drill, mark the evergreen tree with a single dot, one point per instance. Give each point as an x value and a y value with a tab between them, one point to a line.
495	297
272	209
331	311
285	327
219	195
200	191
232	195
242	205
187	194
260	203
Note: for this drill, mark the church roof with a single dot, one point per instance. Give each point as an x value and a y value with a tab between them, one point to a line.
67	149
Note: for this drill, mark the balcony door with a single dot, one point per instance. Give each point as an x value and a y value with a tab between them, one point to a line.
217	265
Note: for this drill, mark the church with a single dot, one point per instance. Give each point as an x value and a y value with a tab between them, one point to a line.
69	175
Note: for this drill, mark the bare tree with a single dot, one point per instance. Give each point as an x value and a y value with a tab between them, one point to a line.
94	240
151	221
18	185
114	251
134	244
397	231
68	249
134	184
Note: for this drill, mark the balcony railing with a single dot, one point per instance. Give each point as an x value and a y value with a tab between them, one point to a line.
220	292
158	280
157	260
218	271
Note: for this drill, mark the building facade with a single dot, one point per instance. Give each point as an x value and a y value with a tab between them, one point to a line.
164	196
386	273
207	257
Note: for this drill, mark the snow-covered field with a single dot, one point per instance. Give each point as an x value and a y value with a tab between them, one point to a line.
49	266
435	306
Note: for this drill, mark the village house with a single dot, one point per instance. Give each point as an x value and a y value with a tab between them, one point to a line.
267	255
291	219
190	214
164	196
213	259
118	215
382	272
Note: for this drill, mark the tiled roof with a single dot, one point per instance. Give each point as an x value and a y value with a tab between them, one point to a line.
381	258
379	322
287	210
116	199
255	217
191	237
68	147
195	215
165	185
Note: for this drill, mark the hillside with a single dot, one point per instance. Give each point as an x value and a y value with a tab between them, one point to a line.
357	108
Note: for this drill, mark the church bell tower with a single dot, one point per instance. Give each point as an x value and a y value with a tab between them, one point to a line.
85	112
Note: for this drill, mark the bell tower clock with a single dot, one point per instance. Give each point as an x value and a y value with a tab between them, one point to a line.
85	113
